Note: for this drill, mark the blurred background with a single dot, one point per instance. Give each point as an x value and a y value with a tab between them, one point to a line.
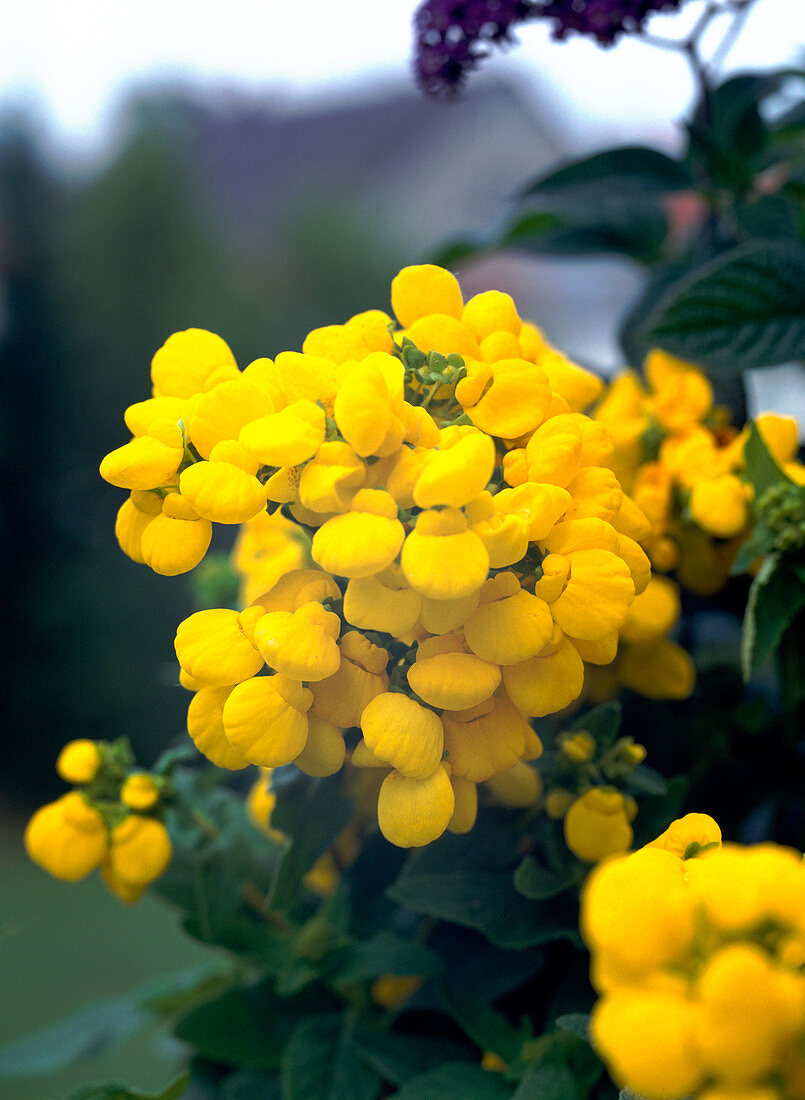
259	170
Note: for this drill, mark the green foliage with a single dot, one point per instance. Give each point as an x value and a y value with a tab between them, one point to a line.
463	1079
321	1062
744	309
116	1091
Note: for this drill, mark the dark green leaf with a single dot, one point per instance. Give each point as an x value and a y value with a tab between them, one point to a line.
622	226
87	1033
745	309
538	883
469	880
321	1062
246	1027
603	723
387	953
487	1028
761	468
632	169
760	543
645	780
252	1086
631	333
767	216
115	1091
397	1058
777	595
464	1080
547	1081
311	813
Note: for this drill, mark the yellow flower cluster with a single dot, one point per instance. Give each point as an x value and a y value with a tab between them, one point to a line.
472	547
683	461
697	951
103	823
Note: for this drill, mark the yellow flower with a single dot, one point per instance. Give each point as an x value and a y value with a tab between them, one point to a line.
330	480
465	809
486	739
265	720
659	670
383	602
541	506
143	463
221	492
288	437
363	541
519	787
457	472
720	505
548	682
173	546
682	394
446	676
577	386
510	624
597	824
221	413
442	558
342	697
139	792
365	410
696	829
191	361
597	595
213	648
139	417
413	812
139	852
420	290
404	734
739	887
514	403
648	1041
653	613
324	750
79	761
205	724
300	644
68	837
553	453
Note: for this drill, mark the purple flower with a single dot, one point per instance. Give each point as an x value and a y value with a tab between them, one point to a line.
454	36
604	20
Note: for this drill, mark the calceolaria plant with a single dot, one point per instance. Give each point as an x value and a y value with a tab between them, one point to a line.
490	627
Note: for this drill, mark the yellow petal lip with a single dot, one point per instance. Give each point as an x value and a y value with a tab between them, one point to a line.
221	492
300	644
221	413
422	289
413	812
405	734
324	751
442	559
288	437
456	475
453	681
545	685
383	602
174	546
143	463
262	725
357	544
509	630
205	724
484	740
190	362
212	648
597	596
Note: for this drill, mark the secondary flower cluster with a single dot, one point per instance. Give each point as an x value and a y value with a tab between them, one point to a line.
683	462
106	821
697	951
453	36
472	546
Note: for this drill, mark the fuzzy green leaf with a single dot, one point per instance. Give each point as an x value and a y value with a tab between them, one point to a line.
636	169
456	1079
321	1063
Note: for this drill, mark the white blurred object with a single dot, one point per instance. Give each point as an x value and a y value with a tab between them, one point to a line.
780	390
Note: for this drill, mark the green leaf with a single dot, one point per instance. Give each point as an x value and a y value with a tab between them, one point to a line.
487	1027
387	953
312	813
577	1023
464	1080
547	1081
603	723
634	169
321	1062
87	1033
617	225
777	595
246	1027
631	333
469	880
761	467
252	1086
645	780
115	1091
743	310
538	883
397	1057
760	543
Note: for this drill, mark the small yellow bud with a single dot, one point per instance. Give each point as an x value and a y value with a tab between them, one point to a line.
139	792
78	761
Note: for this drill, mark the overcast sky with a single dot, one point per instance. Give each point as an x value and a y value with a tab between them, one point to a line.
75	59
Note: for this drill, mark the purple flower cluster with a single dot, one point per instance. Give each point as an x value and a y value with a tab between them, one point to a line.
604	20
454	36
